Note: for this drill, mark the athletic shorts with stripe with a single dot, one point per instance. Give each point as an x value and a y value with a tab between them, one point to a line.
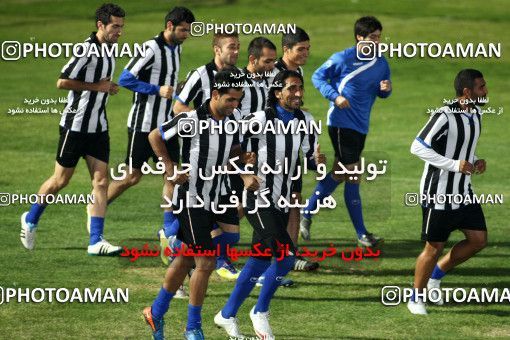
270	230
72	145
139	149
196	224
347	143
439	224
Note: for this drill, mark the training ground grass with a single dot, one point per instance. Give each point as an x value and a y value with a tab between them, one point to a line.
341	300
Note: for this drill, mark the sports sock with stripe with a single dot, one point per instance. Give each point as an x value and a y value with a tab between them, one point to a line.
273	275
244	285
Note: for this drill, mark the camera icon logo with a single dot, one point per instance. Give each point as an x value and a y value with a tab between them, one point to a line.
390	295
366	50
11	50
197	29
411	199
5	199
187	127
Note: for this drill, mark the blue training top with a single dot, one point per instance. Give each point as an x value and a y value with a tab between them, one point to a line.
358	81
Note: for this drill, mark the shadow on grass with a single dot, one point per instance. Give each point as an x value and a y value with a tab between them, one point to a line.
471	271
498	313
293	336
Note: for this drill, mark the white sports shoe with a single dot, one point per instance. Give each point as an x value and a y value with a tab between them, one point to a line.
436	297
27	234
181	293
417	307
230	325
103	248
261	324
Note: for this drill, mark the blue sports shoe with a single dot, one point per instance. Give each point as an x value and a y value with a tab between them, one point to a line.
156	326
194	334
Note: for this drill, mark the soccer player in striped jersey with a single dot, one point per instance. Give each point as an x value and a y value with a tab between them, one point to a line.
261	61
199	83
204	151
84	130
351	85
153	78
447	144
195	91
296	49
270	224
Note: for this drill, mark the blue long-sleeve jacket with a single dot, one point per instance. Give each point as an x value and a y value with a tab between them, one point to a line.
358	81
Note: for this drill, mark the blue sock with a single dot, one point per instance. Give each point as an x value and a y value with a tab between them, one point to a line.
194	317
170	224
223	240
437	274
161	303
96	229
325	188
244	285
276	271
353	203
35	213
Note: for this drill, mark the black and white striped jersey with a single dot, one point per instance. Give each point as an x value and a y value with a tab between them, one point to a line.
85	111
198	86
202	151
254	96
448	137
276	149
279	66
159	66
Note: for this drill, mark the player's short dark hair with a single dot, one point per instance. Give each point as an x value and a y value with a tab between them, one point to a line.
289	40
178	15
227	79
106	11
256	45
366	25
279	80
466	79
218	36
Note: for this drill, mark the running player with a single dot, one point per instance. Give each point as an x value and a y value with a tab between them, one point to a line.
270	224
84	130
447	144
203	151
351	85
195	91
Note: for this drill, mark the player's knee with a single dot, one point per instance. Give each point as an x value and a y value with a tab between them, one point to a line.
60	181
433	249
206	264
478	242
337	177
100	183
133	179
187	262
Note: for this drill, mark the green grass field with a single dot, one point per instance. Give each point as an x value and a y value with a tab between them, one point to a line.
341	300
